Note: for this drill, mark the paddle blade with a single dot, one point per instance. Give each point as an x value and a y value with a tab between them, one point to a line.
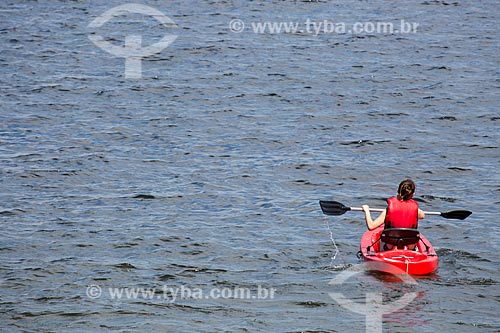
456	214
333	208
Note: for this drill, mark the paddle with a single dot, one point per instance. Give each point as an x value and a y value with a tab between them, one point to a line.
336	208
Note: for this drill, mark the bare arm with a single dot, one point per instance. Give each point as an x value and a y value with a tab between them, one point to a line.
421	214
370	223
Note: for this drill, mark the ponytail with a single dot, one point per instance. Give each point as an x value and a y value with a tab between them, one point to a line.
406	189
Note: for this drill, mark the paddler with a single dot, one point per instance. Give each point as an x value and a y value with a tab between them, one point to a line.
401	212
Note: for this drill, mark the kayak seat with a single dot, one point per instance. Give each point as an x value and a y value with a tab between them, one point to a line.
400	237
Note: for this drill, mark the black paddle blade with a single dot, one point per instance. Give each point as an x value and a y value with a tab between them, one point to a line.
456	214
333	208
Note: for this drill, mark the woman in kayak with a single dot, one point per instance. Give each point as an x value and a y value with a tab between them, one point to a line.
401	212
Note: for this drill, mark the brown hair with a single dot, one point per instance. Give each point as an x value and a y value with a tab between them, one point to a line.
406	189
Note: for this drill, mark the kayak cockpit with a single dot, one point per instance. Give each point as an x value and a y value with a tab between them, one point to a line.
397	238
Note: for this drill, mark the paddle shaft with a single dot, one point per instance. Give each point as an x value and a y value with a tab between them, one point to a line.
379	210
359	209
335	208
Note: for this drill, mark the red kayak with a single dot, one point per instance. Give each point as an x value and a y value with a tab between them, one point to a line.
406	251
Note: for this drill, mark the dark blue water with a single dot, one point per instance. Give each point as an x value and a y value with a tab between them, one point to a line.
206	172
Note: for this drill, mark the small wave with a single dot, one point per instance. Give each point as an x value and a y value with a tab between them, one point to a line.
450	118
444	252
125	265
166	277
459	169
311	304
469	282
432	197
144	196
11	212
361	142
336	268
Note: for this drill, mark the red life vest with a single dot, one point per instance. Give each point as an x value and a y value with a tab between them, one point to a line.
401	214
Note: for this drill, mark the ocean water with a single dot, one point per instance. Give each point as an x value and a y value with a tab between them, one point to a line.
203	175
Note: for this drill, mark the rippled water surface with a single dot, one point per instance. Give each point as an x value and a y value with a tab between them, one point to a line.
206	172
